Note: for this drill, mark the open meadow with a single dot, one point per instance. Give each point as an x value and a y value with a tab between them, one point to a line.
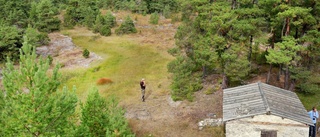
123	62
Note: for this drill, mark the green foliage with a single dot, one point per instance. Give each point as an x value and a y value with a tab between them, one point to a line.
10	42
105	31
101	117
86	53
15	12
154	18
35	37
100	21
81	13
103	25
284	52
236	66
306	83
110	20
261	58
34	106
204	52
142	6
45	19
313	48
73	14
89	17
50	59
175	18
126	27
167	11
184	81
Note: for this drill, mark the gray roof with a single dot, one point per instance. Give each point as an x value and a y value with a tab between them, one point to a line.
260	98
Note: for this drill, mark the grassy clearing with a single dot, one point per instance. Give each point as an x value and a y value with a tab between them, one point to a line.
124	62
310	101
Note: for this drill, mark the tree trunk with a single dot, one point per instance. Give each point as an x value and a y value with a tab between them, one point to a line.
287	26
283	27
270	67
269	73
204	71
250	48
286	78
310	60
254	2
224	82
279	73
234	4
292	85
297	32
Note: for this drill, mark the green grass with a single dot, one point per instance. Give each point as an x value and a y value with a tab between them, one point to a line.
124	62
310	101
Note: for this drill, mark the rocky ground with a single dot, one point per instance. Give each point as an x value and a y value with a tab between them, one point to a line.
62	49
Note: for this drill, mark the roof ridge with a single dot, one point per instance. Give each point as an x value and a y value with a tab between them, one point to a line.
265	101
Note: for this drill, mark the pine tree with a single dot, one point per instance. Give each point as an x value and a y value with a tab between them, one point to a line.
154	18
89	17
105	31
73	14
166	11
33	104
126	27
15	12
35	37
236	65
100	21
285	53
101	117
10	42
110	20
46	20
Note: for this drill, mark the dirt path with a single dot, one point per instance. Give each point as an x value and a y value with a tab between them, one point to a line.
161	116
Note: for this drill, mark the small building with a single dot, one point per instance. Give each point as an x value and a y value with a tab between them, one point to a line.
262	110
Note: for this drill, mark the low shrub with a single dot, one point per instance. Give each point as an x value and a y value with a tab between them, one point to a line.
103	81
86	53
50	59
126	27
105	31
154	18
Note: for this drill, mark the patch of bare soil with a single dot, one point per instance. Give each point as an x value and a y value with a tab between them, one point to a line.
63	51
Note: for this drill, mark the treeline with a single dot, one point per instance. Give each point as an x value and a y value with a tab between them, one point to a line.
30	18
37	18
236	38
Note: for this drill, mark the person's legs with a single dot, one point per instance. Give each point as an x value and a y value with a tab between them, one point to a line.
142	94
310	130
314	130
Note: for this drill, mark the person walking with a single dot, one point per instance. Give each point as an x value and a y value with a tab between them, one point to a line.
143	89
314	115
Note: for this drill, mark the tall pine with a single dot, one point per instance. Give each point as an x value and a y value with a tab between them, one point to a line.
33	104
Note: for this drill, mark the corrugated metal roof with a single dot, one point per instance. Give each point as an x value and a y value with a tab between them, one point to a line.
260	98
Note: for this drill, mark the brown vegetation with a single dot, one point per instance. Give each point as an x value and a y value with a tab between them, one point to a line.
103	81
